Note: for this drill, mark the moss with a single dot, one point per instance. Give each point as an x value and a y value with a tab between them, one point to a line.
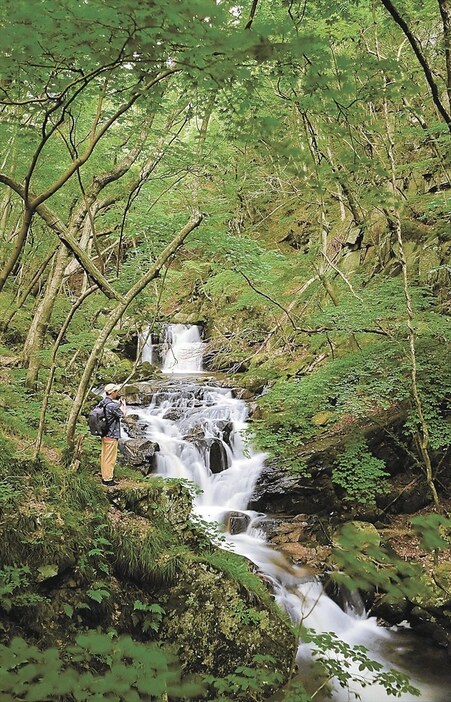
48	514
217	625
156	497
81	562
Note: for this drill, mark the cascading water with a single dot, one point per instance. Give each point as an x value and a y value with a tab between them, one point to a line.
200	428
145	347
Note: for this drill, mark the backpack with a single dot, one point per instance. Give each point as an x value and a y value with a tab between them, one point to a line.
97	421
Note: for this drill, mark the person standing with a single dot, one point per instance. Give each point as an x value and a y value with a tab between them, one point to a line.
115	409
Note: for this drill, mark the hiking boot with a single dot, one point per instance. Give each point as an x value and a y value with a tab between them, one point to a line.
109	483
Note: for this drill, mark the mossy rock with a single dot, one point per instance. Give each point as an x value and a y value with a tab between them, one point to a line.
217	626
366	533
114	369
437	589
49	515
320	419
146	371
155	497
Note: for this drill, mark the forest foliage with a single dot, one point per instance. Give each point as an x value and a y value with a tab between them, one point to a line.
277	172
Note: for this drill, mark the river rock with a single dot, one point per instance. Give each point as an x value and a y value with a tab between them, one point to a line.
146	371
217	456
236	522
278	491
134	426
139	453
391	610
432	626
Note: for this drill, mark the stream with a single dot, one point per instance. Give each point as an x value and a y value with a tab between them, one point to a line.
200	428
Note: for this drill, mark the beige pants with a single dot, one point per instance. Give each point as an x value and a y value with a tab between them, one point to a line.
108	457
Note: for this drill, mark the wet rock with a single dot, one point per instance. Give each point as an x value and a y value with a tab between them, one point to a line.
347	600
146	371
304	555
139	453
218	459
226	428
128	345
134	426
268	525
243	394
279	491
236	522
390	610
213	449
138	393
158	352
173	415
196	434
431	625
255	411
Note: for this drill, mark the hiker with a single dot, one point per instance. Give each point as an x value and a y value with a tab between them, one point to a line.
115	408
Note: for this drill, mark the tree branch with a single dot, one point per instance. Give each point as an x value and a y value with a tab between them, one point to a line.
81	160
251	14
400	21
54	223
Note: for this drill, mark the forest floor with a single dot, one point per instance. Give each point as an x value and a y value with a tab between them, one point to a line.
400	537
294	537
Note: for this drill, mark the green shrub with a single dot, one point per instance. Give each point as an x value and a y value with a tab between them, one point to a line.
359	473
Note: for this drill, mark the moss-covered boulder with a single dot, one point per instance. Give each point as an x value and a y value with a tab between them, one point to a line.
217	623
155	498
431	613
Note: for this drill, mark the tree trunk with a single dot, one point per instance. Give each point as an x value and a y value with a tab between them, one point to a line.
445	11
35	337
20	242
28	289
5	209
52	370
414	43
422	428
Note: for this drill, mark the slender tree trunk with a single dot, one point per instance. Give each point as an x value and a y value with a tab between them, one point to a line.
55	349
423	431
414	43
35	337
18	246
5	209
28	290
35	203
445	11
114	318
65	235
8	203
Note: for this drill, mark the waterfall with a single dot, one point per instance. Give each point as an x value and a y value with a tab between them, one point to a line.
201	430
184	349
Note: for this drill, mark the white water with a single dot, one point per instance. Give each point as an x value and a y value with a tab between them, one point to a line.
184	349
145	347
185	417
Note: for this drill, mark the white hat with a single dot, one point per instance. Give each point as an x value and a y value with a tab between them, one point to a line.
111	387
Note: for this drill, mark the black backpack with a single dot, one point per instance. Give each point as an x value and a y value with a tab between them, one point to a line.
97	421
